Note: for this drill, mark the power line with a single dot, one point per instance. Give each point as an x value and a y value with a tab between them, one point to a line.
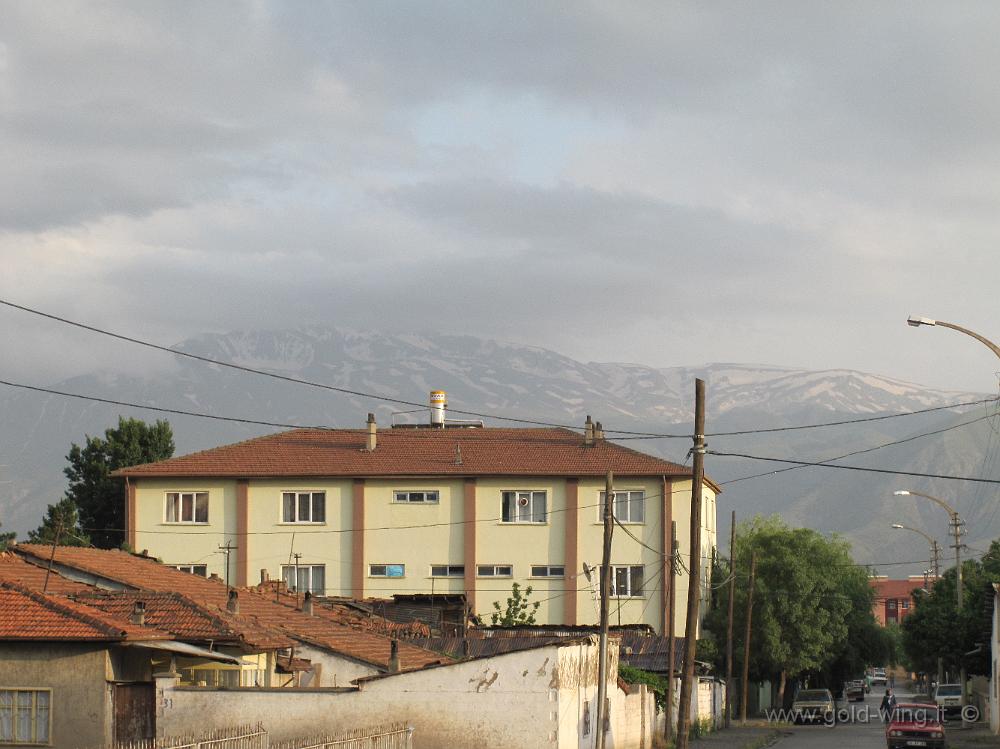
865	450
852	468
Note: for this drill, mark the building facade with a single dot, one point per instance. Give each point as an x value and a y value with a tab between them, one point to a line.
445	510
893	599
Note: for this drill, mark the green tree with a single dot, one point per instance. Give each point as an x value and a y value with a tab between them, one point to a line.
518	609
98	496
6	538
61	525
810	601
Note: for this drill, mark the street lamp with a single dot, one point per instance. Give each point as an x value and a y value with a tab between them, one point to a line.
956	530
935	552
916	322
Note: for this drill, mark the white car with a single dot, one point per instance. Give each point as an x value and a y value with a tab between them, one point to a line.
948	698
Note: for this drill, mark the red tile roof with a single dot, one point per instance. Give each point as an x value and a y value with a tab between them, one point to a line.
29	615
414	452
894	588
15	569
268	619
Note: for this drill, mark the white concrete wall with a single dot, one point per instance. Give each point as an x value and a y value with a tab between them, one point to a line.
524	699
335	671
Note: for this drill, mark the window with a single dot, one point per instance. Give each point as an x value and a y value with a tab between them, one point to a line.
25	716
187	507
447	570
495	570
548	571
303	507
891	604
626	582
524	507
193	569
305	578
628	506
416	498
386	570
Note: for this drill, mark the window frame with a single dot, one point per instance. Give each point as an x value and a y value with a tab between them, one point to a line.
451	571
15	740
397	493
548	571
614	593
180	494
495	573
533	494
298	494
628	504
190	569
311	569
387	565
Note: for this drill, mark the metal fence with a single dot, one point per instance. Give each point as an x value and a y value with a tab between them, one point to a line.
392	736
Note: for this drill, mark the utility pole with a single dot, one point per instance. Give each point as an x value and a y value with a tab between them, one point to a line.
226	550
936	561
746	640
297	558
729	626
694	567
52	556
668	733
602	668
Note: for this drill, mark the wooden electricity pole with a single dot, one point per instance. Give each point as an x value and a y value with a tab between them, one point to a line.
602	668
746	640
729	627
668	732
694	568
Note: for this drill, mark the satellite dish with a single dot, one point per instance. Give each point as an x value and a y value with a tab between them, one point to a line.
587	569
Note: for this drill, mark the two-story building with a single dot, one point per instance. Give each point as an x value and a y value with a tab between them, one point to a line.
436	509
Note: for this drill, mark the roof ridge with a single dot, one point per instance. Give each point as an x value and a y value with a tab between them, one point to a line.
101	621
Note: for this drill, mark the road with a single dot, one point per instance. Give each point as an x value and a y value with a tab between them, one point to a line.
864	730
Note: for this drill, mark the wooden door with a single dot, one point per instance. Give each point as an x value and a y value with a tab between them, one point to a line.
135	711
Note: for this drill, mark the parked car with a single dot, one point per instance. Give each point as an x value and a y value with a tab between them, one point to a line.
854	691
948	698
813	706
879	678
914	724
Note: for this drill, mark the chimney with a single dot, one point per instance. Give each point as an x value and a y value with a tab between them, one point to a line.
307	604
372	434
233	604
439	403
393	656
264	576
138	616
598	432
588	432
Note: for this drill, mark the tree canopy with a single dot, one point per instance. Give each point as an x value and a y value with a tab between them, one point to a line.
96	494
61	525
812	605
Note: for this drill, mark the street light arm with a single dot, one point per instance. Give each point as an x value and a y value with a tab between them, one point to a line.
917	321
930	540
951	510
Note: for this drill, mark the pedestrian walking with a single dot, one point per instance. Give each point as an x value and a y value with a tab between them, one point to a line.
888	704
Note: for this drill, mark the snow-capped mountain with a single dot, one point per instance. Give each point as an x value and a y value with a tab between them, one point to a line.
496	378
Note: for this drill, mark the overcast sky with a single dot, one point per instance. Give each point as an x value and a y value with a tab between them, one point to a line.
664	183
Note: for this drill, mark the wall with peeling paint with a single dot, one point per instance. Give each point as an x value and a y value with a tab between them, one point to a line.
534	698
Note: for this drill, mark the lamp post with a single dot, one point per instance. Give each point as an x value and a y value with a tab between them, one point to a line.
935	551
916	322
956	531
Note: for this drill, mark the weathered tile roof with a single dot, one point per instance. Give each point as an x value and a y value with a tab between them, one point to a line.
268	619
28	615
15	569
414	452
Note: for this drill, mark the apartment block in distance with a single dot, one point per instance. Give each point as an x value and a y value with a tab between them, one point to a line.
444	507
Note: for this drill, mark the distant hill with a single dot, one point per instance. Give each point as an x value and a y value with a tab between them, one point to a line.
520	381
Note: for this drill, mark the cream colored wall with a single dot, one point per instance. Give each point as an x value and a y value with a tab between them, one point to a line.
187	543
440	542
318	543
521	545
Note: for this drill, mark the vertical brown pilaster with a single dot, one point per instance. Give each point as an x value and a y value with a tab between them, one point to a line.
130	510
571	560
469	541
667	513
358	539
242	526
